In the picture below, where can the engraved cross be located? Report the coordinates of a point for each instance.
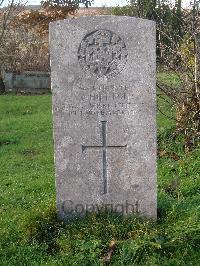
(104, 148)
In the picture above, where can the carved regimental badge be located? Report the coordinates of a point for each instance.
(102, 53)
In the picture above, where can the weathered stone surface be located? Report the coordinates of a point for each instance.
(103, 83)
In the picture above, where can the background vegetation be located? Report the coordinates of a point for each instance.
(178, 53)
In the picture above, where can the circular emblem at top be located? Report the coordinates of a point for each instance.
(102, 53)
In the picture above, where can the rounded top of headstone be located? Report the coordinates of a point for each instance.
(102, 53)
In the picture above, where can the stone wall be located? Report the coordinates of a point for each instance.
(27, 82)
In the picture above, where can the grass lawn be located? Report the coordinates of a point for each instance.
(29, 231)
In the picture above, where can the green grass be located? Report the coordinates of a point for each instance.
(29, 231)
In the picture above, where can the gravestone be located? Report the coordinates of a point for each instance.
(104, 106)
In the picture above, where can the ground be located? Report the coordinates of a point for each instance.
(29, 231)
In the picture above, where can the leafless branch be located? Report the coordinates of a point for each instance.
(6, 16)
(164, 98)
(169, 117)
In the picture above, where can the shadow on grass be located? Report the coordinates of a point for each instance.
(46, 229)
(172, 143)
(105, 236)
(7, 142)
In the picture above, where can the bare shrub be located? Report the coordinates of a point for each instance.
(24, 50)
(181, 56)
